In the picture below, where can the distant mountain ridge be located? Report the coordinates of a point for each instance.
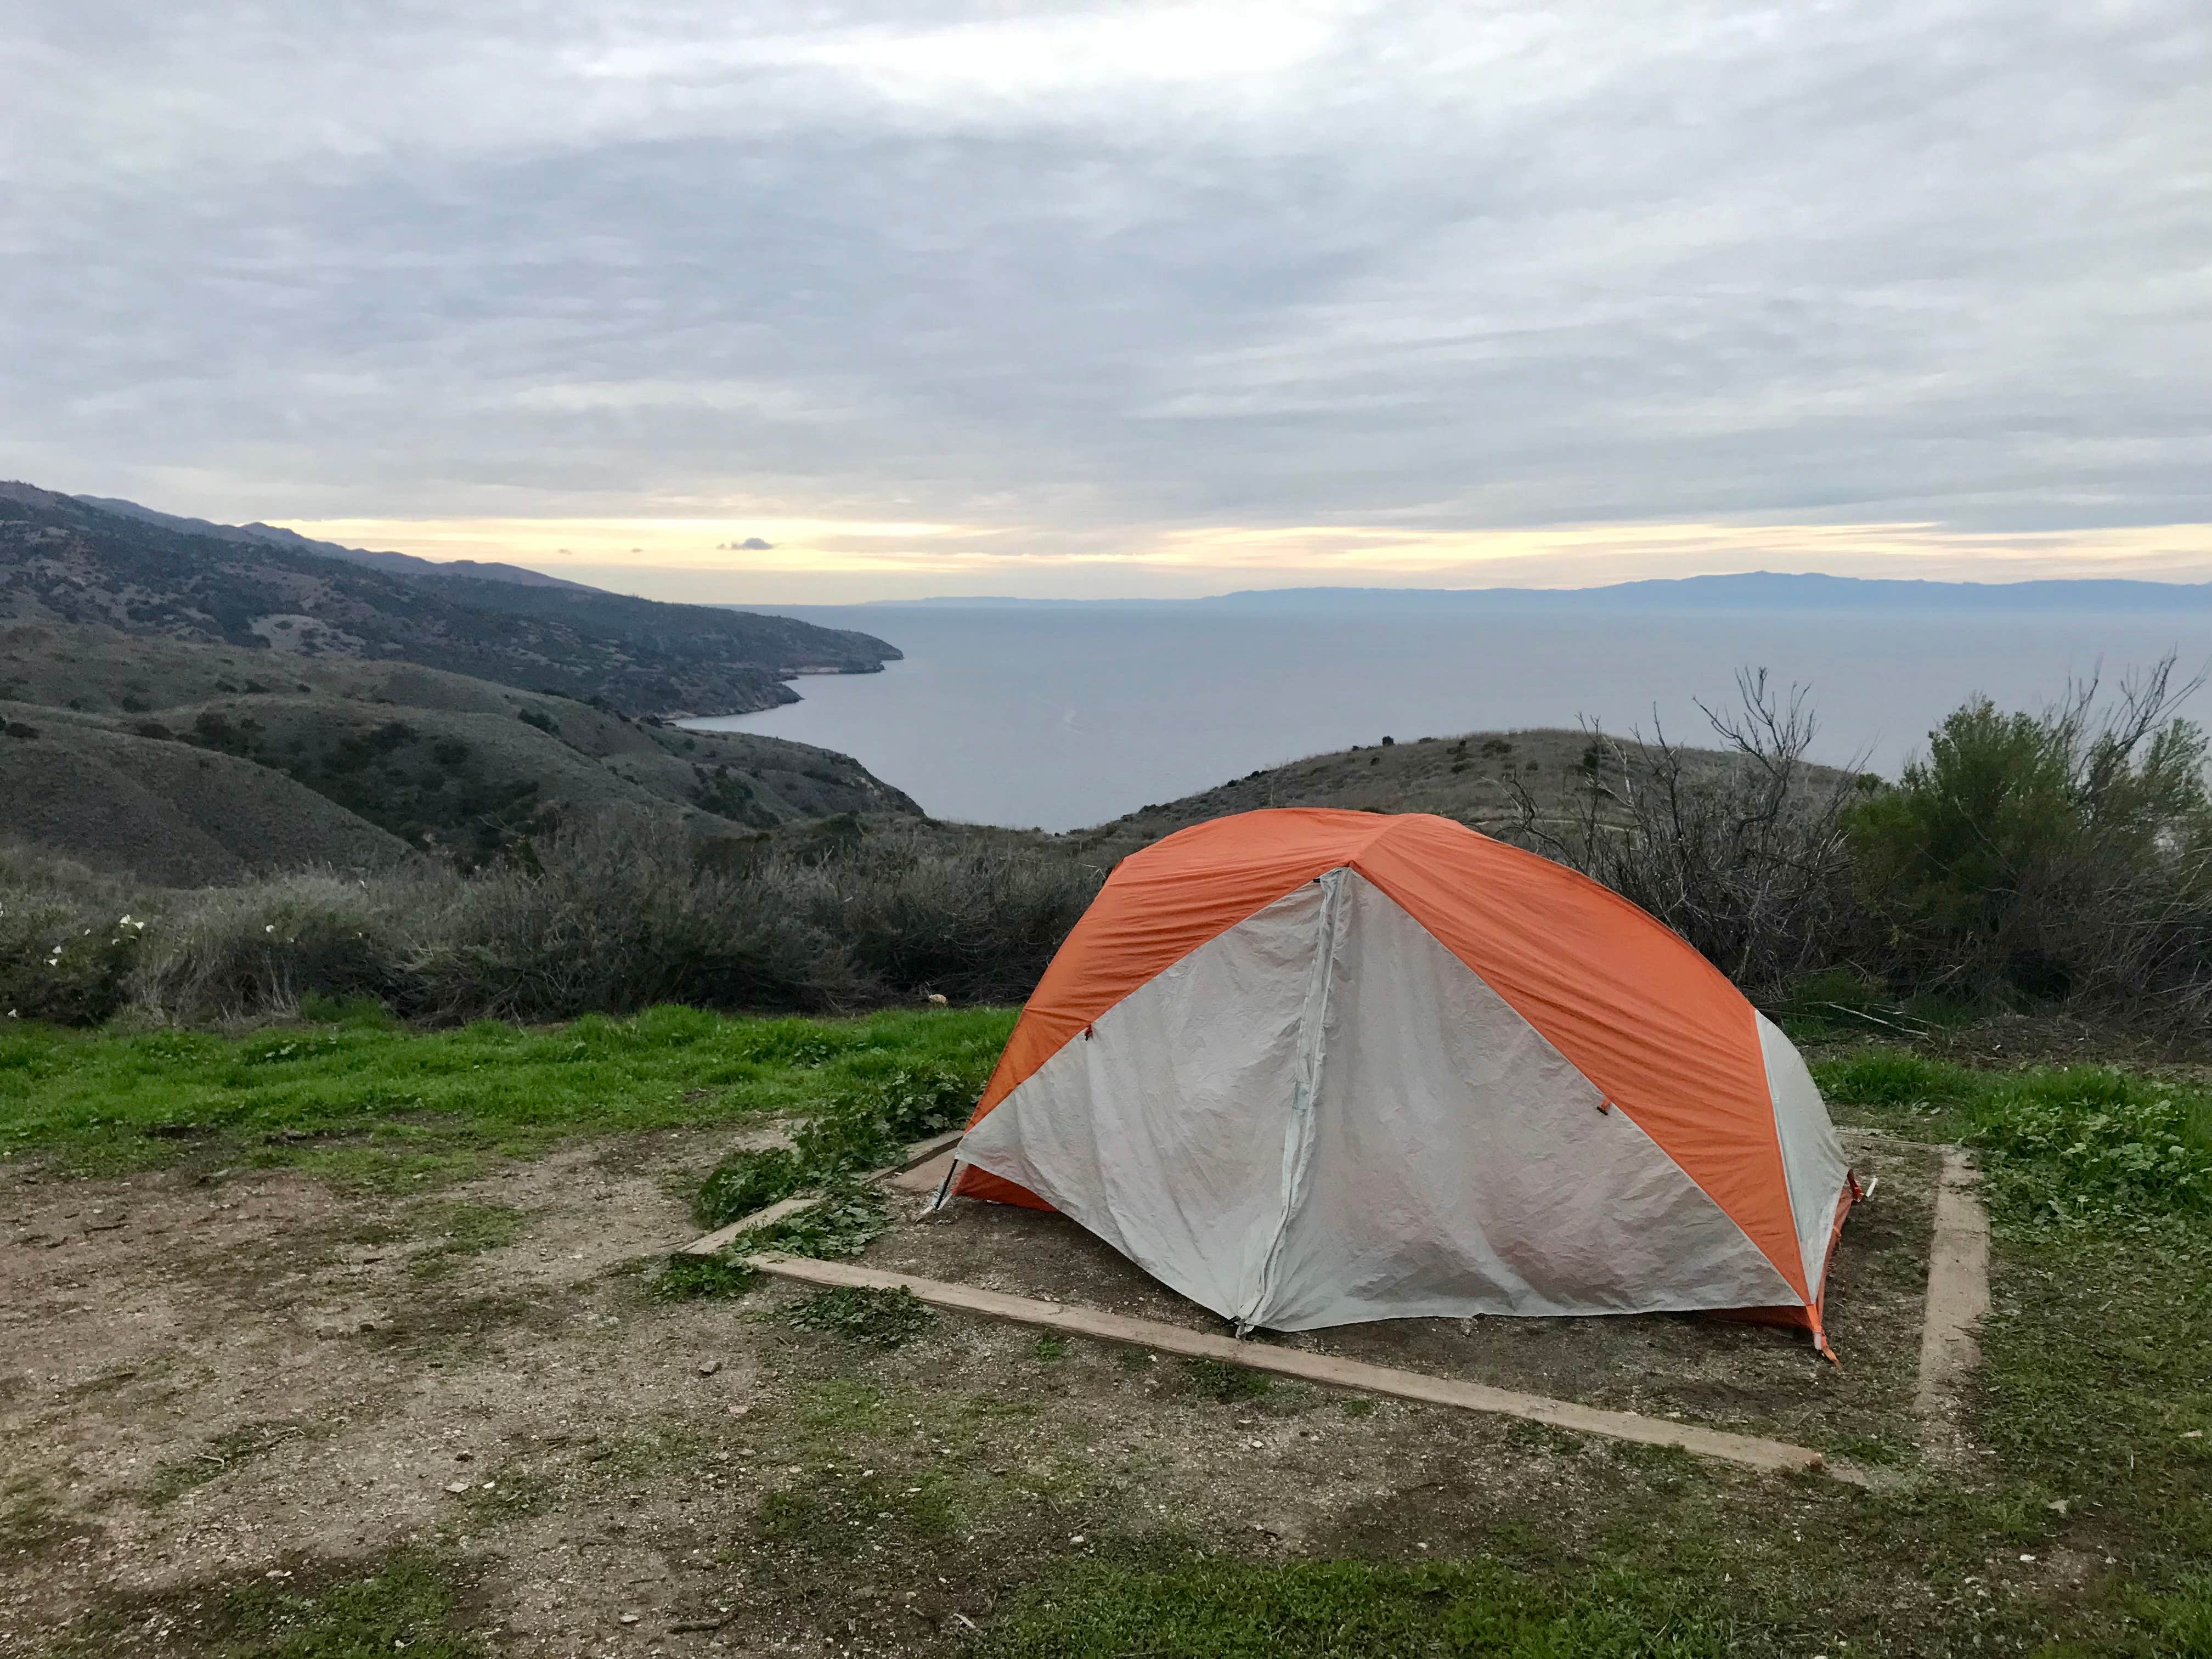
(1758, 590)
(66, 560)
(393, 564)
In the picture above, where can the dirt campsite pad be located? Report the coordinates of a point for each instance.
(242, 1407)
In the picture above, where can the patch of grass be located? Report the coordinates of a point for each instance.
(639, 1458)
(464, 1231)
(2064, 1144)
(29, 1514)
(696, 1278)
(1217, 1609)
(2097, 1365)
(365, 1103)
(838, 1513)
(226, 1451)
(1049, 1350)
(882, 1319)
(1217, 1379)
(1898, 1081)
(514, 1493)
(407, 1606)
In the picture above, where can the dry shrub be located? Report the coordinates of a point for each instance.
(613, 913)
(68, 938)
(1743, 852)
(618, 913)
(235, 953)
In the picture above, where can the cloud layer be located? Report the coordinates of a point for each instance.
(1091, 282)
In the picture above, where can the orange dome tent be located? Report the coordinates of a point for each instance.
(1312, 1067)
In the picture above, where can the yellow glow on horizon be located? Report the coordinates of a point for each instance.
(908, 558)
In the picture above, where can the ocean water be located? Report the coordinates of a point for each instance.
(1059, 718)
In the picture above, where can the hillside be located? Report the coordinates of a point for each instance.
(173, 814)
(1471, 778)
(393, 564)
(192, 763)
(63, 559)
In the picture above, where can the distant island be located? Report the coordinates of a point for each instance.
(1751, 591)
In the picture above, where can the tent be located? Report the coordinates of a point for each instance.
(1313, 1067)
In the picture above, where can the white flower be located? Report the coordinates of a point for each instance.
(271, 928)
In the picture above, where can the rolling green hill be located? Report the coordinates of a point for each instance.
(192, 763)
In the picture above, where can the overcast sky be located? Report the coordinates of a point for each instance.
(1136, 299)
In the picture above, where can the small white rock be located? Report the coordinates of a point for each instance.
(709, 1367)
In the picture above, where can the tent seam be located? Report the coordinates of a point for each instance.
(1305, 1092)
(1622, 1107)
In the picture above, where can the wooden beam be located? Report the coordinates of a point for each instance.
(715, 1243)
(1958, 1291)
(1746, 1449)
(921, 1152)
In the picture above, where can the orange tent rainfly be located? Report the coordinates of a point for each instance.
(1314, 1067)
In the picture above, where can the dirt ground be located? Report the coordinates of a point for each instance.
(211, 1379)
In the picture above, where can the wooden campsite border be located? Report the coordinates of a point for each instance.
(1751, 1452)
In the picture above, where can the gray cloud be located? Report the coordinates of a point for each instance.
(1084, 271)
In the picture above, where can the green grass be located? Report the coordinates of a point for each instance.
(407, 1606)
(461, 1230)
(363, 1101)
(1217, 1609)
(2074, 1144)
(1217, 1379)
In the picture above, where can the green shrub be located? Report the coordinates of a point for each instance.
(844, 1223)
(882, 1319)
(2065, 853)
(745, 1182)
(863, 1128)
(697, 1278)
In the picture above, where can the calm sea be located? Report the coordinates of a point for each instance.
(1062, 718)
